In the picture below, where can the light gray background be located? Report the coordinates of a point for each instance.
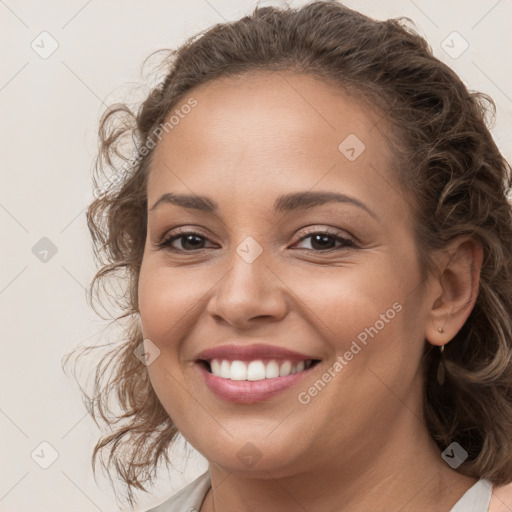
(49, 113)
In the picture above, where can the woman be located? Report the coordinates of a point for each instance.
(316, 236)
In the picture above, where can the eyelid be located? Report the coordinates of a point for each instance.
(169, 237)
(325, 231)
(173, 235)
(348, 241)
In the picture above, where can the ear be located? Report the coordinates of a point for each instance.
(453, 289)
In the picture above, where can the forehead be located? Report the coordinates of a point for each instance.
(267, 131)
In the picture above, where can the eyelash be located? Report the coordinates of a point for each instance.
(166, 241)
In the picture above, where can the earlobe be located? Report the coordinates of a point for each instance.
(456, 289)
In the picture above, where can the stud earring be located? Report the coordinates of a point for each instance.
(440, 329)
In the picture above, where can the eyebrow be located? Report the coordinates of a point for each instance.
(285, 203)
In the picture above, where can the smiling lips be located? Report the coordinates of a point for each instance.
(256, 370)
(248, 374)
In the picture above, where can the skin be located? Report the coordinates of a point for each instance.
(501, 500)
(362, 440)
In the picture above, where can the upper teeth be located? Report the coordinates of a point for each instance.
(255, 370)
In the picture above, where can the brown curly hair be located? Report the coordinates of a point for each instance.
(447, 163)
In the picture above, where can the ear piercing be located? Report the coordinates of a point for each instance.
(440, 367)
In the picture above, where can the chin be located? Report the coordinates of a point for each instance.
(254, 454)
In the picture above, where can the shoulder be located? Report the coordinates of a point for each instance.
(188, 499)
(501, 500)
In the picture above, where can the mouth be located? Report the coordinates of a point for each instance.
(246, 374)
(255, 370)
(250, 381)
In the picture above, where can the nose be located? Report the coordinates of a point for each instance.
(249, 293)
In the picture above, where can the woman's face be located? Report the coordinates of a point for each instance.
(302, 259)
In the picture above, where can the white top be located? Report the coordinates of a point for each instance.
(191, 497)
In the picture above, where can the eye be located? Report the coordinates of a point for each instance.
(190, 241)
(322, 241)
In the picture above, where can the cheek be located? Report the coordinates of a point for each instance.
(166, 299)
(343, 301)
(166, 302)
(369, 317)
